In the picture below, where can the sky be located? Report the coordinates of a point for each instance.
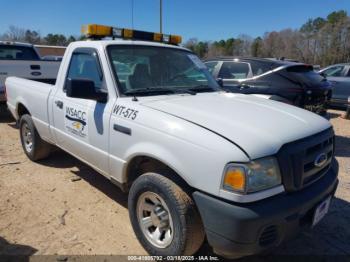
(202, 19)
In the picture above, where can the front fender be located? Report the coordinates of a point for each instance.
(199, 166)
(154, 151)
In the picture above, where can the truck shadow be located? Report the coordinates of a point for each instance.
(60, 159)
(15, 252)
(5, 115)
(329, 240)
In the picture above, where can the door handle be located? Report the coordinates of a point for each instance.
(122, 129)
(59, 104)
(35, 67)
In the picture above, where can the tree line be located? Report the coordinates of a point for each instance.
(320, 41)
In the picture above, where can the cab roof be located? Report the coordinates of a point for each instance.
(105, 43)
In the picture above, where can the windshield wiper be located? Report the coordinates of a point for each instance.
(202, 88)
(185, 91)
(149, 90)
(158, 90)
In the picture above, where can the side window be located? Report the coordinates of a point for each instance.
(334, 71)
(8, 52)
(259, 68)
(211, 66)
(234, 70)
(86, 66)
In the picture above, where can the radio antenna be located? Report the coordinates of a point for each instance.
(160, 16)
(132, 14)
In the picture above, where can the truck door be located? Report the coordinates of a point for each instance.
(81, 125)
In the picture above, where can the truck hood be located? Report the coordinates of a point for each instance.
(258, 126)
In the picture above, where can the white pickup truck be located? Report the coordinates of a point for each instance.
(242, 172)
(23, 60)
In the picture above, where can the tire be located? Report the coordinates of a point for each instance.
(186, 228)
(33, 146)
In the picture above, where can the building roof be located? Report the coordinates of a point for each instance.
(15, 43)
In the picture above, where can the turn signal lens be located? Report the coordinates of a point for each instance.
(234, 179)
(256, 175)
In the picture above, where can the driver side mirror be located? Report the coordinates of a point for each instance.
(323, 74)
(84, 89)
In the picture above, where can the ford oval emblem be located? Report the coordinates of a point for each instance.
(320, 160)
(36, 73)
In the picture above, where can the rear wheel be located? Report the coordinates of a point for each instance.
(164, 218)
(34, 147)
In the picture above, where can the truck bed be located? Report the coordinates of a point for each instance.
(24, 91)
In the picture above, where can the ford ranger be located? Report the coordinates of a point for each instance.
(242, 172)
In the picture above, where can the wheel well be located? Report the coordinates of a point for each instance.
(143, 164)
(22, 110)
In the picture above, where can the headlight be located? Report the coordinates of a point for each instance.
(255, 176)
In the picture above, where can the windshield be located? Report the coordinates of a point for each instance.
(146, 70)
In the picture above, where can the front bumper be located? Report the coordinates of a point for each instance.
(235, 229)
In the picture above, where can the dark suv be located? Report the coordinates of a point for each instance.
(285, 81)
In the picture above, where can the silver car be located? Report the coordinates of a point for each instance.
(339, 76)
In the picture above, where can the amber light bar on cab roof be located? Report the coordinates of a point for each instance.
(95, 31)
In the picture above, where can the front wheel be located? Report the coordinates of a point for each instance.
(164, 218)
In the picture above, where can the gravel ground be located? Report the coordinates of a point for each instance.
(60, 206)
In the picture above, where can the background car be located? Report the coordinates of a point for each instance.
(23, 60)
(339, 76)
(285, 81)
